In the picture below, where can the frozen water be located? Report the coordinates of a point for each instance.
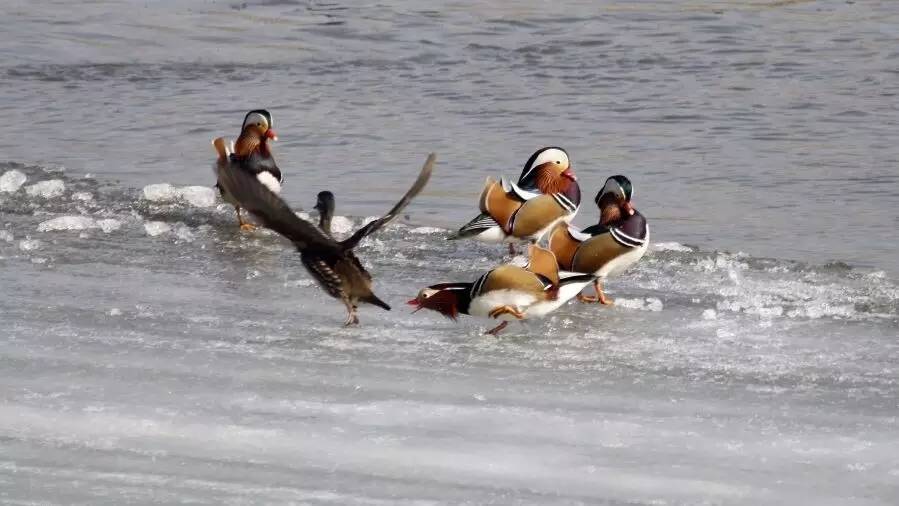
(46, 189)
(662, 397)
(12, 180)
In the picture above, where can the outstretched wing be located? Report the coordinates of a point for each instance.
(274, 212)
(373, 226)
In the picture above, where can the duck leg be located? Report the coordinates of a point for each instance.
(496, 330)
(245, 226)
(351, 318)
(496, 313)
(600, 296)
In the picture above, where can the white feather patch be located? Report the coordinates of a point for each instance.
(270, 182)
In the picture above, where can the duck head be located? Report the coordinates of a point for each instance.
(548, 170)
(448, 299)
(255, 133)
(614, 200)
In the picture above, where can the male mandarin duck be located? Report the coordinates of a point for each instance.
(508, 292)
(608, 248)
(546, 193)
(332, 264)
(253, 153)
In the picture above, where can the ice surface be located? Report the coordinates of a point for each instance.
(12, 180)
(197, 196)
(709, 380)
(47, 189)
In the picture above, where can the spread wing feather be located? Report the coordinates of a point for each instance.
(271, 210)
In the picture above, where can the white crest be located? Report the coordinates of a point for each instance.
(554, 155)
(255, 118)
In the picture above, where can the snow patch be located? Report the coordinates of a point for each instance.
(12, 180)
(154, 228)
(197, 196)
(46, 189)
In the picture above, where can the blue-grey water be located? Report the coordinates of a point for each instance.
(149, 353)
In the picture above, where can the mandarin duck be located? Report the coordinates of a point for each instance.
(508, 292)
(608, 248)
(546, 193)
(332, 264)
(253, 154)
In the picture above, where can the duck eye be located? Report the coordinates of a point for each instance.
(558, 162)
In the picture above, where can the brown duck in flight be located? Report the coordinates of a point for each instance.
(333, 264)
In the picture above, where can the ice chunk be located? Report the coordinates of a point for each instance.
(109, 225)
(670, 246)
(648, 304)
(426, 230)
(47, 189)
(12, 180)
(709, 314)
(160, 192)
(115, 312)
(83, 196)
(29, 244)
(198, 196)
(341, 225)
(154, 228)
(183, 232)
(6, 235)
(67, 223)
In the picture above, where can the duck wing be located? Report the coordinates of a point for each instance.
(271, 210)
(374, 226)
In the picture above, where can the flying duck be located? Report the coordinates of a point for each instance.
(508, 292)
(333, 264)
(252, 153)
(546, 193)
(608, 248)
